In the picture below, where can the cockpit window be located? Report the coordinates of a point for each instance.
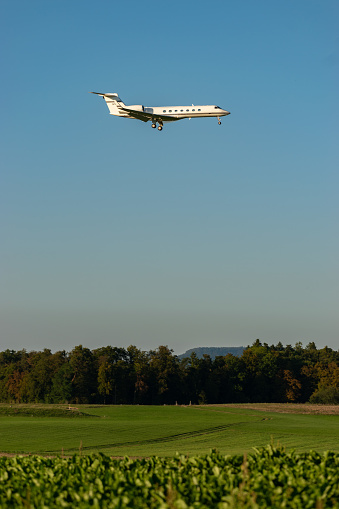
(217, 107)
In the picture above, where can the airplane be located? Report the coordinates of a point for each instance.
(159, 114)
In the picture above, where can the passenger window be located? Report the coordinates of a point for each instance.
(175, 110)
(181, 110)
(164, 111)
(170, 111)
(187, 110)
(193, 110)
(199, 110)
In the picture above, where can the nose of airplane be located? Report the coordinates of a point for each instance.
(227, 112)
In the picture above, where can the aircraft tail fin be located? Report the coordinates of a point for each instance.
(113, 101)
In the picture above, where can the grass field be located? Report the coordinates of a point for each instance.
(163, 430)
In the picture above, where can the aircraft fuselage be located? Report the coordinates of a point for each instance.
(159, 114)
(179, 112)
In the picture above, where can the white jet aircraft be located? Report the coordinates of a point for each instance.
(159, 114)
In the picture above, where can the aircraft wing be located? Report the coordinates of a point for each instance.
(145, 116)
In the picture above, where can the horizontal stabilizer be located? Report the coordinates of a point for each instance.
(109, 94)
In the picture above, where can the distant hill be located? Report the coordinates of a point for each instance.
(213, 351)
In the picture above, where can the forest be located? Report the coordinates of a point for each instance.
(113, 375)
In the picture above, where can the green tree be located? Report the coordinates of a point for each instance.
(84, 375)
(61, 390)
(190, 375)
(165, 376)
(114, 384)
(140, 374)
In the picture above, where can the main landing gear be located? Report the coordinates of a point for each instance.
(160, 126)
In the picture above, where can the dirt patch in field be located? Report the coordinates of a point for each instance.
(41, 455)
(285, 408)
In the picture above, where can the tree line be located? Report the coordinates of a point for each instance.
(113, 375)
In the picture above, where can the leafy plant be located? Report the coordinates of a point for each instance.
(326, 396)
(268, 478)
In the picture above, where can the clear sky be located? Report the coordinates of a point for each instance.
(199, 235)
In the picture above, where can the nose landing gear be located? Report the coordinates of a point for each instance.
(219, 121)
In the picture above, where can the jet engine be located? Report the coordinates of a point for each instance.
(136, 107)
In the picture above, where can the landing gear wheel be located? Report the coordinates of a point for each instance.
(160, 128)
(219, 122)
(154, 126)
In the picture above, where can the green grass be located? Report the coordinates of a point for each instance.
(155, 430)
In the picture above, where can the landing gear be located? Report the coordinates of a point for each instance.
(154, 124)
(219, 121)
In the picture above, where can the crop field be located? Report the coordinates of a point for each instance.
(269, 477)
(143, 431)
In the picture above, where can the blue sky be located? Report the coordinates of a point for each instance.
(201, 235)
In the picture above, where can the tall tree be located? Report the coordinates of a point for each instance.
(166, 376)
(84, 375)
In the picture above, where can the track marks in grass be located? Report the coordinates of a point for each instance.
(226, 411)
(168, 438)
